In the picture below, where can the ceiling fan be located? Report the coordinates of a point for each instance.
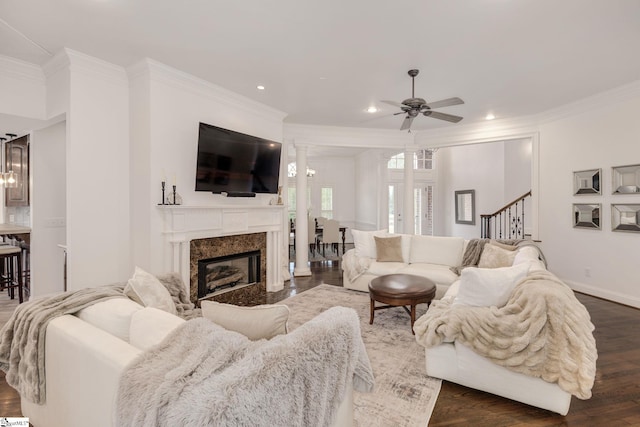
(413, 106)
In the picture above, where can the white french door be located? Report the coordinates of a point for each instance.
(422, 208)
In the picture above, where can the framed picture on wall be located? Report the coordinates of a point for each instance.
(587, 182)
(625, 217)
(626, 179)
(465, 207)
(586, 215)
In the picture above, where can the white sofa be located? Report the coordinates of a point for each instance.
(427, 256)
(432, 257)
(87, 352)
(459, 364)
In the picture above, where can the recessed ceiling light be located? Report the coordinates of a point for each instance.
(489, 116)
(260, 87)
(372, 109)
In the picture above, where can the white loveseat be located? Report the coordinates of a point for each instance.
(428, 256)
(86, 354)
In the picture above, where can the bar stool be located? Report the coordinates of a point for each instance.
(11, 258)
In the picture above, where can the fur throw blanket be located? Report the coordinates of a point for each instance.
(474, 249)
(22, 338)
(353, 265)
(204, 375)
(543, 331)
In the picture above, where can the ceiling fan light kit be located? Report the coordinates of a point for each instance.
(413, 106)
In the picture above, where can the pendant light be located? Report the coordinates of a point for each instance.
(10, 178)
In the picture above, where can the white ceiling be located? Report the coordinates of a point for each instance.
(324, 62)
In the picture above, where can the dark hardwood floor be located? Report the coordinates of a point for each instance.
(616, 393)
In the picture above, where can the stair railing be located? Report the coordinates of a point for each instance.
(507, 222)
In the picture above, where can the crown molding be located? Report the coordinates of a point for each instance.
(17, 69)
(95, 67)
(602, 99)
(335, 136)
(161, 73)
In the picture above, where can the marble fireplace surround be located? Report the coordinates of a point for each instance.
(184, 224)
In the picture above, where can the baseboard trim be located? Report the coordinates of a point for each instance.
(604, 294)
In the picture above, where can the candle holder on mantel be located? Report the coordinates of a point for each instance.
(163, 187)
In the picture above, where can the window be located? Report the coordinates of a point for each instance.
(422, 159)
(326, 202)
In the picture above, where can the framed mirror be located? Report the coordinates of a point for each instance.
(587, 182)
(625, 217)
(465, 207)
(626, 179)
(586, 215)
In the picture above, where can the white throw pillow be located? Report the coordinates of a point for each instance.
(487, 287)
(112, 315)
(150, 326)
(145, 289)
(436, 250)
(493, 256)
(364, 243)
(262, 321)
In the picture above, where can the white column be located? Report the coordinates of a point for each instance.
(302, 222)
(408, 221)
(383, 220)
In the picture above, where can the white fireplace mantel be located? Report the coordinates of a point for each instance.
(181, 224)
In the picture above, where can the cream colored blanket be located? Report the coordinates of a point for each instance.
(543, 332)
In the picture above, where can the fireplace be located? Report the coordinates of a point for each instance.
(226, 273)
(244, 252)
(193, 233)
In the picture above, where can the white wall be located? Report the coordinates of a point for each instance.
(600, 137)
(97, 173)
(48, 204)
(167, 106)
(478, 167)
(23, 89)
(370, 179)
(339, 174)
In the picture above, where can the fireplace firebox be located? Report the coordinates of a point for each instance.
(225, 273)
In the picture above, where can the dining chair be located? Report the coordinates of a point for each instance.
(330, 235)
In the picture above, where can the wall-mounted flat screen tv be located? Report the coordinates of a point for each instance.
(233, 162)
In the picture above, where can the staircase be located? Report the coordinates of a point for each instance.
(507, 222)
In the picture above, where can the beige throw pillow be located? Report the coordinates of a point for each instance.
(389, 249)
(495, 257)
(145, 289)
(262, 321)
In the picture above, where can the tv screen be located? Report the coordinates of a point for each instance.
(234, 162)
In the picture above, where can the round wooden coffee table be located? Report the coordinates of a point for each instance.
(400, 290)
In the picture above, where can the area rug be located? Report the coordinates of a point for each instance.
(404, 395)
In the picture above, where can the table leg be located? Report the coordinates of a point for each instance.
(413, 317)
(372, 311)
(343, 239)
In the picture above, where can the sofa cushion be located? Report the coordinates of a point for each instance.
(150, 325)
(436, 250)
(487, 287)
(145, 289)
(388, 249)
(382, 268)
(364, 244)
(439, 274)
(494, 256)
(262, 321)
(113, 316)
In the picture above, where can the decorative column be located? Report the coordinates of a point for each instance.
(408, 208)
(302, 222)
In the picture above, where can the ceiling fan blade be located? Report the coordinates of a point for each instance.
(407, 123)
(394, 103)
(445, 103)
(442, 116)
